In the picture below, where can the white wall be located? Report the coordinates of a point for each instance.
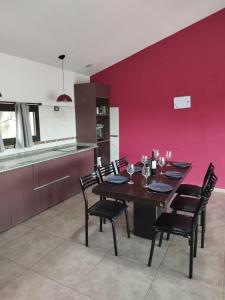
(56, 124)
(23, 80)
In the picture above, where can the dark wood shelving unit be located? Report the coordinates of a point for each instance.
(92, 111)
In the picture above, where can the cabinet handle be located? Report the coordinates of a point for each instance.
(52, 182)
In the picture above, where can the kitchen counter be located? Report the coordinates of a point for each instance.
(37, 179)
(15, 161)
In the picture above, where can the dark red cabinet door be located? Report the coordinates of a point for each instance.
(20, 193)
(51, 170)
(81, 164)
(58, 179)
(5, 215)
(53, 182)
(53, 194)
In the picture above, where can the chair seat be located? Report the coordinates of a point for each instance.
(107, 209)
(190, 189)
(174, 223)
(184, 203)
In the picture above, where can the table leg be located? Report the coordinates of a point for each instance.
(144, 219)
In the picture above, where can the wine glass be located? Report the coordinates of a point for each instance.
(146, 173)
(168, 156)
(144, 159)
(161, 163)
(130, 171)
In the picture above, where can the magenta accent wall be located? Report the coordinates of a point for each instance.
(190, 62)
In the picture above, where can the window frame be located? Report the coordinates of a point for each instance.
(32, 108)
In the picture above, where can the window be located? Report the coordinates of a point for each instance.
(8, 123)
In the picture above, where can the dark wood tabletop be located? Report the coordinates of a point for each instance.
(137, 192)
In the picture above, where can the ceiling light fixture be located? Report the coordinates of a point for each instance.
(63, 97)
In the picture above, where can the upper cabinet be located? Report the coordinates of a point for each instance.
(92, 117)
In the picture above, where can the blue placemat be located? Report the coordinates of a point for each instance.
(116, 179)
(160, 187)
(174, 174)
(182, 165)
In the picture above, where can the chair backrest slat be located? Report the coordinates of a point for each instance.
(86, 182)
(106, 170)
(121, 163)
(208, 173)
(206, 194)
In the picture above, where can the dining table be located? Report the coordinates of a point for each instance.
(147, 204)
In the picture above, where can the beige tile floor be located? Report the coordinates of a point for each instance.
(45, 258)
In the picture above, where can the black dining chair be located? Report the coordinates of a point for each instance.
(121, 163)
(104, 209)
(195, 190)
(183, 225)
(189, 203)
(105, 171)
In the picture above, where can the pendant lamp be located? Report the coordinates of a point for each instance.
(63, 97)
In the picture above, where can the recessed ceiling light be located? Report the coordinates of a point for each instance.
(88, 65)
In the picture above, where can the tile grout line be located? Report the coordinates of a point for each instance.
(11, 240)
(29, 267)
(14, 279)
(17, 276)
(10, 259)
(59, 245)
(95, 265)
(52, 279)
(157, 270)
(66, 286)
(44, 256)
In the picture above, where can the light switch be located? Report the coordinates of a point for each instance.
(182, 102)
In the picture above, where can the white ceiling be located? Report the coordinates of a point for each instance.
(98, 32)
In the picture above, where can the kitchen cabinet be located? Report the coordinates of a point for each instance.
(27, 191)
(22, 204)
(92, 117)
(81, 165)
(52, 194)
(52, 182)
(5, 214)
(16, 201)
(58, 179)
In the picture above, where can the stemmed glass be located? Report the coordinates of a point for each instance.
(130, 171)
(161, 163)
(144, 159)
(146, 173)
(168, 156)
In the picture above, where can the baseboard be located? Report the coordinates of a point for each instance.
(219, 190)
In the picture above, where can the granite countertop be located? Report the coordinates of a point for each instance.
(15, 161)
